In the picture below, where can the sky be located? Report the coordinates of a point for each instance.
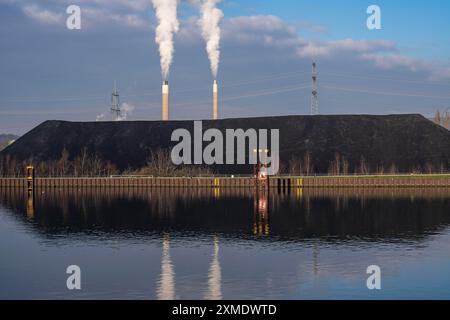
(49, 72)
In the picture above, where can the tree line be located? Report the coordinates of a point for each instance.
(83, 165)
(340, 166)
(442, 119)
(159, 164)
(91, 165)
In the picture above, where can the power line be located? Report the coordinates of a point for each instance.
(225, 99)
(250, 95)
(384, 92)
(225, 85)
(430, 82)
(274, 77)
(148, 94)
(265, 93)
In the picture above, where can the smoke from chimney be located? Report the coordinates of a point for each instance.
(209, 23)
(168, 25)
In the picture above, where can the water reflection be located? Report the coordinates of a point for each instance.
(215, 275)
(30, 205)
(369, 214)
(261, 214)
(166, 284)
(220, 243)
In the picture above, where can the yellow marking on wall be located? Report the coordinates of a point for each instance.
(30, 178)
(299, 193)
(267, 230)
(216, 193)
(30, 205)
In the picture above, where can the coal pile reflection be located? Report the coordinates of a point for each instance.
(368, 214)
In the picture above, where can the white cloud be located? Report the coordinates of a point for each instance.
(440, 73)
(270, 31)
(43, 16)
(395, 60)
(312, 27)
(259, 24)
(128, 13)
(260, 30)
(273, 31)
(135, 5)
(391, 61)
(131, 20)
(346, 45)
(246, 31)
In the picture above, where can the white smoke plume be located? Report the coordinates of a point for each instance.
(125, 111)
(168, 25)
(100, 117)
(209, 22)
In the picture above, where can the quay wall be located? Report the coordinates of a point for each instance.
(290, 182)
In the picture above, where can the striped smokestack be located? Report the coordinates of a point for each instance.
(165, 101)
(215, 103)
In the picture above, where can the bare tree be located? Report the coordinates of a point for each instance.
(393, 169)
(363, 170)
(437, 118)
(307, 163)
(63, 163)
(160, 164)
(446, 120)
(442, 169)
(337, 164)
(296, 166)
(380, 170)
(345, 167)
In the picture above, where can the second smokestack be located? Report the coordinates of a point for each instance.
(215, 103)
(165, 101)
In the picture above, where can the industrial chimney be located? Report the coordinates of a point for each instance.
(165, 101)
(215, 106)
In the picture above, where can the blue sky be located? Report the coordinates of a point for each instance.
(421, 26)
(49, 72)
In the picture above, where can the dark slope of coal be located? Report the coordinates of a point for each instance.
(408, 141)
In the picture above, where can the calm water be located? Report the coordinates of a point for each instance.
(218, 244)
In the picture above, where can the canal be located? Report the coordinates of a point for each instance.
(225, 244)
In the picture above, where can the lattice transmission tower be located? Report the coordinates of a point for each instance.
(115, 104)
(314, 92)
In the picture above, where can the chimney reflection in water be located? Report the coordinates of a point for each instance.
(166, 284)
(215, 275)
